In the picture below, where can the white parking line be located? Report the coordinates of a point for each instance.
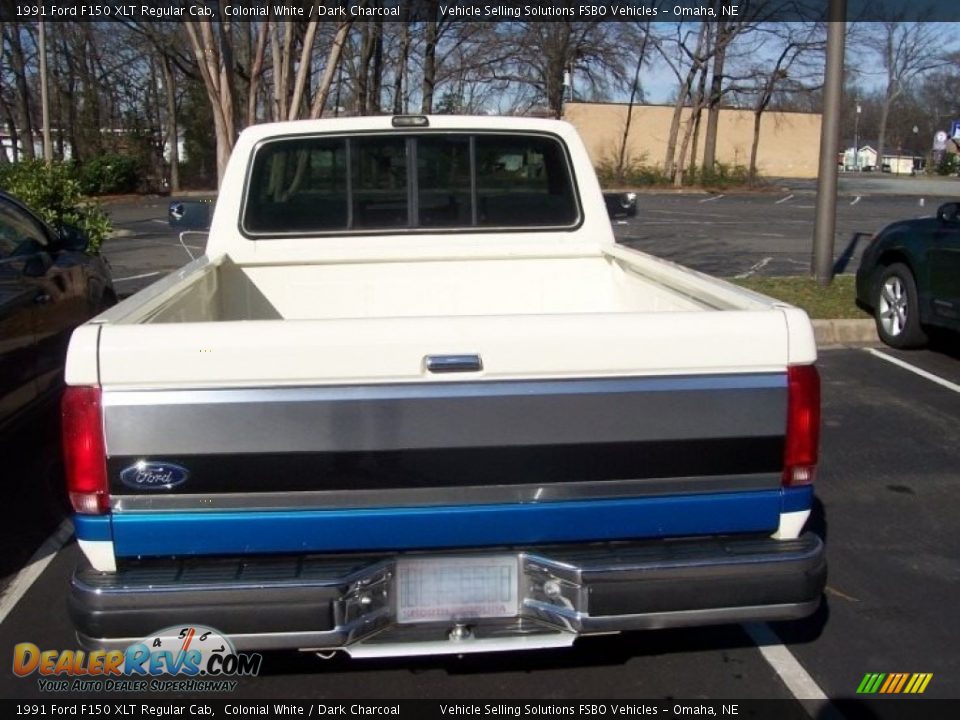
(712, 199)
(797, 680)
(783, 200)
(38, 563)
(914, 369)
(760, 265)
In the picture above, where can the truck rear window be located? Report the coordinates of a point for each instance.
(409, 182)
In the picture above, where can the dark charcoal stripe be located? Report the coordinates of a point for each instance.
(478, 415)
(445, 468)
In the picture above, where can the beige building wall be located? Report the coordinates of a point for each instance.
(789, 142)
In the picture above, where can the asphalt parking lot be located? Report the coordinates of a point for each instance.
(763, 233)
(886, 505)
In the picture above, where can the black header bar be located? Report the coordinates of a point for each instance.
(473, 10)
(102, 706)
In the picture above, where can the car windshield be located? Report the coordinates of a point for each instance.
(409, 182)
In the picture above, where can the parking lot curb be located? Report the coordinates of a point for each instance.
(833, 333)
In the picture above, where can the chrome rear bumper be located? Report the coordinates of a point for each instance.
(349, 602)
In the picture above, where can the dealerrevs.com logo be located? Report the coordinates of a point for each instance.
(203, 659)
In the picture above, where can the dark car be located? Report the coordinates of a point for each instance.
(48, 286)
(909, 278)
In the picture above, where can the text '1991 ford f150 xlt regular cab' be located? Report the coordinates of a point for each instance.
(414, 399)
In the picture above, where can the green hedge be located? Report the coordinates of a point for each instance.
(109, 174)
(53, 192)
(636, 173)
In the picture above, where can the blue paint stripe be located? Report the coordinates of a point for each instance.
(437, 527)
(797, 498)
(92, 527)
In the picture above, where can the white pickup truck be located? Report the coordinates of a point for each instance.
(415, 399)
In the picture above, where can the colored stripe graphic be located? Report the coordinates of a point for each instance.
(900, 683)
(923, 679)
(894, 683)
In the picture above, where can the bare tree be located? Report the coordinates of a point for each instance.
(905, 51)
(214, 54)
(174, 62)
(431, 35)
(636, 92)
(399, 101)
(257, 68)
(333, 60)
(696, 57)
(543, 54)
(724, 33)
(796, 68)
(16, 60)
(303, 71)
(370, 67)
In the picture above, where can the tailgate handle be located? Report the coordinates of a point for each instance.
(452, 363)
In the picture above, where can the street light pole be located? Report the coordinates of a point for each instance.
(913, 151)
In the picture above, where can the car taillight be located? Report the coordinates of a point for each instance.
(83, 450)
(803, 425)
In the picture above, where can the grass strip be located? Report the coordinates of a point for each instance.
(835, 301)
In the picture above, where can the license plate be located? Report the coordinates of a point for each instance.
(462, 588)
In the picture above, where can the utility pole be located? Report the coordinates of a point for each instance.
(826, 220)
(44, 97)
(856, 138)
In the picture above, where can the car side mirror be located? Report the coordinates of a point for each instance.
(189, 214)
(73, 239)
(948, 212)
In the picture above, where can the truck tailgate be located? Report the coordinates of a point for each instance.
(523, 451)
(306, 352)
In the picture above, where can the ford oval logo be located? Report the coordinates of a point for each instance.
(153, 475)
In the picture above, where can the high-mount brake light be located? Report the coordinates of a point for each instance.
(84, 452)
(803, 426)
(410, 121)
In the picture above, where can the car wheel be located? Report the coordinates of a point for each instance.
(897, 308)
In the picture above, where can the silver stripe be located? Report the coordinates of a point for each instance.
(443, 415)
(425, 497)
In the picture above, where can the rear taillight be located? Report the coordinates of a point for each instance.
(83, 450)
(803, 425)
